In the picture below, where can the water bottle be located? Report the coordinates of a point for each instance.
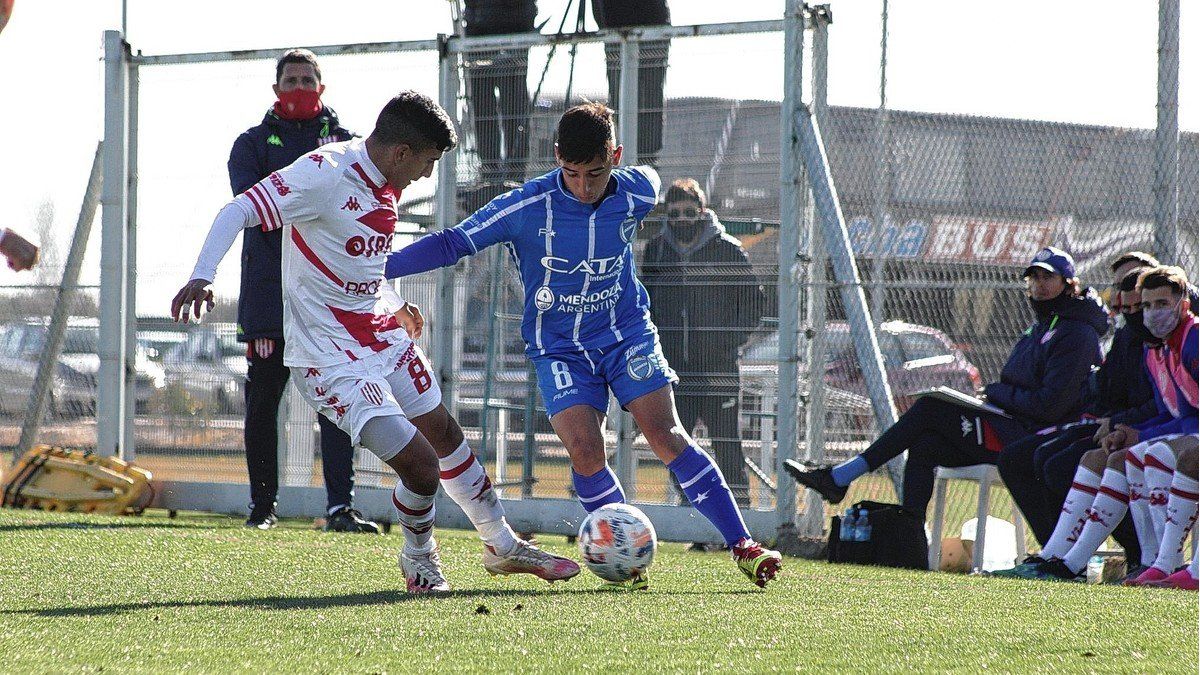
(1095, 570)
(862, 526)
(846, 533)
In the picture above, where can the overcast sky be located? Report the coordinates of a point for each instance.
(1091, 62)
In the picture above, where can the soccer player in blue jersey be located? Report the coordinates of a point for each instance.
(587, 324)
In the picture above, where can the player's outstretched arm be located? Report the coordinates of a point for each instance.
(224, 231)
(440, 249)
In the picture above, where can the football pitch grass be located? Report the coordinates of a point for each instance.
(83, 593)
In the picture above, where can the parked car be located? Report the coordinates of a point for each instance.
(915, 358)
(210, 367)
(73, 392)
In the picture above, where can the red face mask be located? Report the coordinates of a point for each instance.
(298, 104)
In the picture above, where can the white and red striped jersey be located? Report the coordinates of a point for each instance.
(338, 214)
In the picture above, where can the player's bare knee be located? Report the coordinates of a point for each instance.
(440, 429)
(417, 466)
(1094, 460)
(1186, 462)
(1183, 444)
(587, 454)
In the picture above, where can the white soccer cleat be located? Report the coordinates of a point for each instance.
(423, 572)
(525, 558)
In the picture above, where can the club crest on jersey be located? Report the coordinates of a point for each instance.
(629, 228)
(642, 367)
(543, 299)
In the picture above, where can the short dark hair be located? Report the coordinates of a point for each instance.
(297, 56)
(1164, 275)
(586, 132)
(1130, 280)
(414, 119)
(1142, 258)
(686, 189)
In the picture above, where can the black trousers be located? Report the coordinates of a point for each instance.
(720, 415)
(265, 383)
(652, 75)
(1039, 470)
(938, 433)
(500, 109)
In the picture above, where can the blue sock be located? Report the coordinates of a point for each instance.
(705, 488)
(846, 472)
(597, 489)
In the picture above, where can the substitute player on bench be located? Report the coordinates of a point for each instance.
(360, 369)
(587, 324)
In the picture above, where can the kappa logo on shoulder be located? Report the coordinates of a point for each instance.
(352, 204)
(318, 158)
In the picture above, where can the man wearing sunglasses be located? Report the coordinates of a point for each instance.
(706, 302)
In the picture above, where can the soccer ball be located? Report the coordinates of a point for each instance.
(617, 541)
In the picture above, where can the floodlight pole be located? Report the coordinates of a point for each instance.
(1166, 136)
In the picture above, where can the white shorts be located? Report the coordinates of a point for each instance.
(395, 381)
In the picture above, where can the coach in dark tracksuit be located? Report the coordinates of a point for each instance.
(706, 302)
(297, 124)
(1043, 384)
(1039, 469)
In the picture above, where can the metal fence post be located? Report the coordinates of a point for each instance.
(837, 240)
(48, 362)
(110, 394)
(1166, 135)
(446, 217)
(627, 136)
(128, 444)
(791, 265)
(812, 523)
(882, 178)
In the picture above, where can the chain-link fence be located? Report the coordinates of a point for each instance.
(943, 212)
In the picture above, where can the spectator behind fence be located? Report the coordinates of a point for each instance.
(707, 302)
(652, 67)
(1044, 383)
(21, 253)
(1039, 468)
(298, 123)
(498, 89)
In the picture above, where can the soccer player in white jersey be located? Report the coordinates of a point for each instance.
(358, 368)
(587, 324)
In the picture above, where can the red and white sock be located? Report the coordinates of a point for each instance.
(1110, 506)
(1181, 518)
(1139, 503)
(467, 483)
(1159, 469)
(416, 518)
(1074, 513)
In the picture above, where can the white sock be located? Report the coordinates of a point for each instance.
(416, 518)
(1159, 469)
(1074, 513)
(467, 483)
(1181, 517)
(1139, 503)
(1110, 506)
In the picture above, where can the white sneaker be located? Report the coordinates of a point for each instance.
(423, 571)
(525, 558)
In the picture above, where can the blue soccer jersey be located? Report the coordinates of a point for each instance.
(575, 259)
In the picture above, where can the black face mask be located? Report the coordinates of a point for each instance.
(1045, 308)
(1134, 322)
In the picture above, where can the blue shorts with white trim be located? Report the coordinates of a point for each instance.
(631, 368)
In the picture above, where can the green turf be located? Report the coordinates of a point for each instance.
(200, 593)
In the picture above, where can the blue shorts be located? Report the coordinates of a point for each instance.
(631, 368)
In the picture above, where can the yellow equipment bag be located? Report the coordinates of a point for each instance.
(58, 479)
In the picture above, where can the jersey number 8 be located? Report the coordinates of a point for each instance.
(562, 376)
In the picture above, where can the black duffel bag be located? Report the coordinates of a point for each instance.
(897, 539)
